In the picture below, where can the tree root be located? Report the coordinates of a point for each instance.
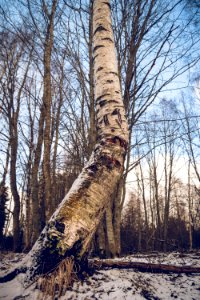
(54, 284)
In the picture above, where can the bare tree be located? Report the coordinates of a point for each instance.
(13, 53)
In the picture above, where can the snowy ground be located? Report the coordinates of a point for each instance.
(118, 284)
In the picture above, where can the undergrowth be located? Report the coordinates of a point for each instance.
(55, 284)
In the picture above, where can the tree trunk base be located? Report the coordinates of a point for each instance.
(56, 283)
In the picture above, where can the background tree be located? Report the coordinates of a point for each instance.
(3, 212)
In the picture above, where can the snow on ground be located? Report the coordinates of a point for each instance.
(118, 284)
(174, 258)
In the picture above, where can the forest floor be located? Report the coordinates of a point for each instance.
(118, 284)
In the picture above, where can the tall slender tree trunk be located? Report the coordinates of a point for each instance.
(190, 209)
(47, 98)
(72, 226)
(36, 222)
(157, 202)
(168, 190)
(117, 211)
(28, 204)
(28, 222)
(111, 248)
(108, 234)
(13, 132)
(92, 129)
(100, 239)
(55, 148)
(13, 185)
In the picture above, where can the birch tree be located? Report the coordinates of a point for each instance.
(72, 226)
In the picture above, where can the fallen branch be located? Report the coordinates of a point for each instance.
(143, 267)
(12, 274)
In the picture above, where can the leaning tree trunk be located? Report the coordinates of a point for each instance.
(71, 228)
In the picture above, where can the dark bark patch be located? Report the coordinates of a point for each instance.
(99, 69)
(112, 101)
(105, 119)
(60, 226)
(86, 183)
(119, 116)
(115, 111)
(110, 162)
(100, 28)
(74, 251)
(93, 169)
(109, 81)
(113, 73)
(97, 129)
(102, 103)
(48, 259)
(106, 161)
(97, 47)
(107, 39)
(117, 139)
(117, 164)
(102, 143)
(107, 3)
(95, 57)
(102, 96)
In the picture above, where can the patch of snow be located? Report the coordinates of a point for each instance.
(115, 284)
(174, 258)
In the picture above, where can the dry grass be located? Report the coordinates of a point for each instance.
(55, 284)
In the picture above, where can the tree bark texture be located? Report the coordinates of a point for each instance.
(72, 226)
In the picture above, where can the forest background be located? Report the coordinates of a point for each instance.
(48, 125)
